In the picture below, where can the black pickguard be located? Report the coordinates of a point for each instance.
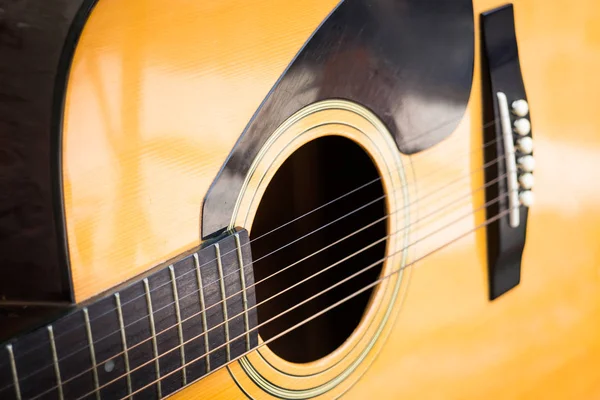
(408, 61)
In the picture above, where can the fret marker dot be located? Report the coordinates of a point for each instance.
(109, 366)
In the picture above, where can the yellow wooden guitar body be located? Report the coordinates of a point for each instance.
(156, 99)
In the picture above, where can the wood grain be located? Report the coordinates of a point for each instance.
(151, 117)
(158, 97)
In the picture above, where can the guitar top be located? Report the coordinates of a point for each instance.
(299, 199)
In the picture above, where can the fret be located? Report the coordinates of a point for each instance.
(88, 329)
(234, 292)
(216, 329)
(192, 317)
(139, 327)
(13, 369)
(108, 351)
(35, 368)
(123, 342)
(75, 361)
(169, 332)
(202, 309)
(153, 333)
(244, 289)
(179, 325)
(55, 361)
(156, 355)
(223, 301)
(250, 293)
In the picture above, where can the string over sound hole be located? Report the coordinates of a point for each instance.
(318, 172)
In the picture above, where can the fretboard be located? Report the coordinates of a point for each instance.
(149, 339)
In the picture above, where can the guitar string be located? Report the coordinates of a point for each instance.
(285, 290)
(277, 228)
(216, 304)
(195, 292)
(159, 310)
(407, 185)
(289, 266)
(24, 378)
(265, 234)
(141, 366)
(256, 283)
(417, 156)
(367, 287)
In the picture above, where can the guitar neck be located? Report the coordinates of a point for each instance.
(152, 337)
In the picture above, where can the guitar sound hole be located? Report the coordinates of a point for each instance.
(318, 172)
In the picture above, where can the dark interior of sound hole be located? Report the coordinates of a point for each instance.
(318, 172)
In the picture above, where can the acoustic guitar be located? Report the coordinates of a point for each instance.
(365, 199)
